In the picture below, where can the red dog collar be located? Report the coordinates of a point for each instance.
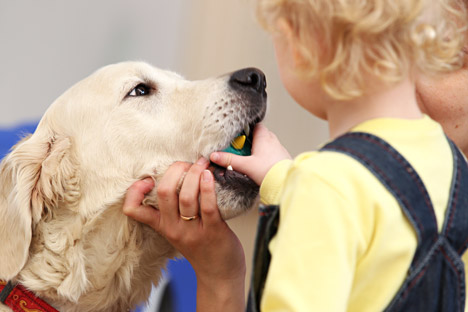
(19, 299)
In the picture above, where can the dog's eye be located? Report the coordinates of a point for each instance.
(140, 90)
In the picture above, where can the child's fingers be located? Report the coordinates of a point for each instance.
(260, 129)
(225, 159)
(244, 164)
(208, 206)
(263, 139)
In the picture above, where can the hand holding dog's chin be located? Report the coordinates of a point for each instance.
(212, 248)
(207, 242)
(267, 150)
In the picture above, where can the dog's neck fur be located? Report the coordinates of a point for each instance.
(72, 253)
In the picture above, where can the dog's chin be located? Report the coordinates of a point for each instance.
(236, 192)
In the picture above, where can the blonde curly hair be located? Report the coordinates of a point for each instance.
(363, 39)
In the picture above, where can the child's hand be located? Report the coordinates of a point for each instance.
(206, 241)
(266, 151)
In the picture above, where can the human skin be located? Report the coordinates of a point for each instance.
(220, 284)
(200, 240)
(445, 99)
(207, 242)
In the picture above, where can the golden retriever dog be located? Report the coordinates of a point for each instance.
(62, 230)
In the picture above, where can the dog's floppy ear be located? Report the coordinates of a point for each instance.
(34, 178)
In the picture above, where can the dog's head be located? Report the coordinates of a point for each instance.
(124, 122)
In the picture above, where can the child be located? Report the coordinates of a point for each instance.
(348, 238)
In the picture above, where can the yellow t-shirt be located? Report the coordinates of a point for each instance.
(344, 243)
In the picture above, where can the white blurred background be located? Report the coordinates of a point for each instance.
(48, 45)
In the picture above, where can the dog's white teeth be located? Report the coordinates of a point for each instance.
(247, 130)
(229, 168)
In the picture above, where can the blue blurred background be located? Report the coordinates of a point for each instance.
(48, 45)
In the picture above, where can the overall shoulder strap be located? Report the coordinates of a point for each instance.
(400, 179)
(267, 227)
(456, 219)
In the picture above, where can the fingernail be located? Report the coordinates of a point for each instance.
(215, 156)
(148, 180)
(207, 176)
(202, 161)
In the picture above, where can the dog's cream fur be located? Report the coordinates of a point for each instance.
(63, 233)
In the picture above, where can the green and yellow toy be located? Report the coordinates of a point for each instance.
(240, 146)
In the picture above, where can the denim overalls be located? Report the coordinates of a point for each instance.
(436, 278)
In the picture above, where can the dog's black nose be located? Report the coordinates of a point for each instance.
(248, 79)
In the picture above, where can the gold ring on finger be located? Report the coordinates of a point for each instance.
(188, 218)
